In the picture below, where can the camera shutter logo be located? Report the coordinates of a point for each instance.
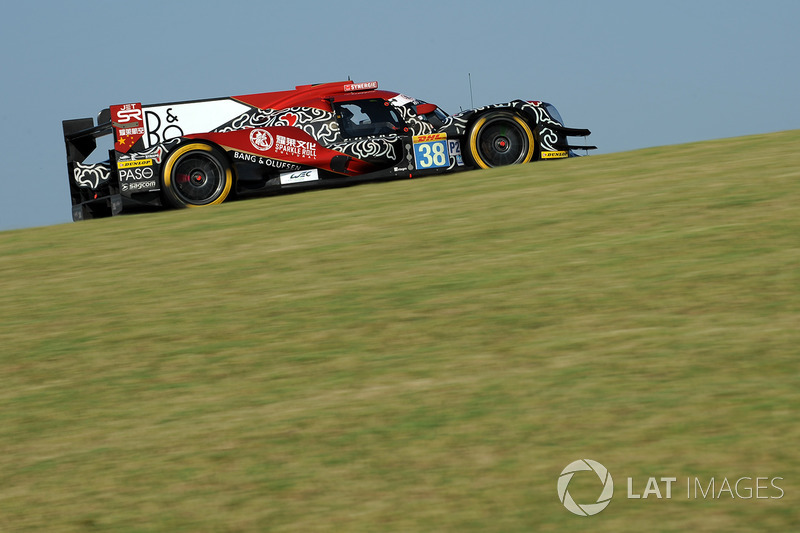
(585, 509)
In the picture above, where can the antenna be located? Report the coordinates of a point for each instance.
(471, 99)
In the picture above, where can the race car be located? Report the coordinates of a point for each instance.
(199, 153)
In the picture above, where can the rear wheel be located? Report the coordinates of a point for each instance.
(197, 174)
(500, 138)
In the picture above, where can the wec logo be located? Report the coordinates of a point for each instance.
(586, 509)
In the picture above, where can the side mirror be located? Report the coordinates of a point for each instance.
(424, 109)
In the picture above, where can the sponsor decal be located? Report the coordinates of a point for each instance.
(128, 122)
(431, 137)
(366, 86)
(293, 147)
(164, 127)
(137, 186)
(153, 154)
(135, 163)
(554, 155)
(266, 161)
(430, 151)
(454, 147)
(299, 176)
(261, 139)
(250, 158)
(166, 122)
(135, 174)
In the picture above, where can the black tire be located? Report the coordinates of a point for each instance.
(500, 138)
(196, 174)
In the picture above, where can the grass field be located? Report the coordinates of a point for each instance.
(417, 355)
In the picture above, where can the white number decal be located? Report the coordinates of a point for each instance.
(439, 155)
(425, 152)
(432, 154)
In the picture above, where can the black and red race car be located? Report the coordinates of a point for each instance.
(198, 153)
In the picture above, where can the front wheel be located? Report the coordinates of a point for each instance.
(500, 138)
(197, 174)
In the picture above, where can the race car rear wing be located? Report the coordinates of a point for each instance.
(92, 191)
(80, 135)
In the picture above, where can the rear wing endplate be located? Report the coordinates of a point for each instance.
(80, 135)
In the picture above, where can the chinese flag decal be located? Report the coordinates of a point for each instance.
(128, 122)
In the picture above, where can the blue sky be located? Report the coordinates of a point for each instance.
(638, 74)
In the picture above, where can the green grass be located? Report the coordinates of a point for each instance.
(416, 355)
